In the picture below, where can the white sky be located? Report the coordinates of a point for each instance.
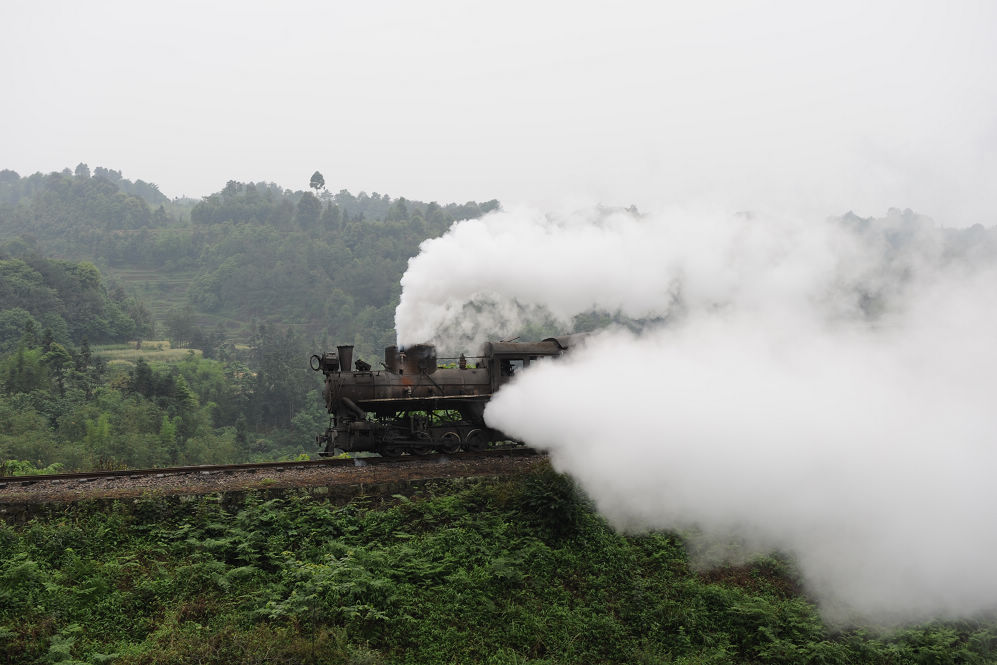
(760, 105)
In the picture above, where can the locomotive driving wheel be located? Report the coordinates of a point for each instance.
(425, 445)
(449, 443)
(476, 441)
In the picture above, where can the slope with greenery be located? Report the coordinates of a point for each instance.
(251, 253)
(518, 571)
(66, 406)
(255, 277)
(69, 300)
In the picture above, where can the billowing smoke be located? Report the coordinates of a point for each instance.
(823, 388)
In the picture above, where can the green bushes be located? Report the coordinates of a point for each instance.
(518, 571)
(553, 502)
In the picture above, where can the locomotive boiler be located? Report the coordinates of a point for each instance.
(412, 404)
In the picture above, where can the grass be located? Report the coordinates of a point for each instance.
(154, 350)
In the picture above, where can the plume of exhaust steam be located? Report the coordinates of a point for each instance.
(822, 388)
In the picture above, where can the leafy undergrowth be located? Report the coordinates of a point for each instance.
(516, 571)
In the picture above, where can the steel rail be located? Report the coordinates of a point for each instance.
(518, 451)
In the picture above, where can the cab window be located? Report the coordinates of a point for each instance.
(511, 365)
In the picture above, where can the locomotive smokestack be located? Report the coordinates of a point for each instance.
(418, 359)
(345, 357)
(391, 359)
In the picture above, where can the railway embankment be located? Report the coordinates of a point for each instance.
(23, 497)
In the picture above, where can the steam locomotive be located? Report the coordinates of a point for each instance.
(413, 404)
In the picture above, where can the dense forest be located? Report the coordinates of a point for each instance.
(67, 299)
(242, 286)
(253, 252)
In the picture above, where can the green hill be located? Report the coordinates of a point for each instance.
(501, 572)
(255, 278)
(251, 253)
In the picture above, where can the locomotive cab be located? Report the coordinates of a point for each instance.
(507, 359)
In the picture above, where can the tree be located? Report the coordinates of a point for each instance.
(58, 360)
(13, 323)
(98, 438)
(317, 182)
(24, 371)
(168, 437)
(332, 217)
(83, 359)
(398, 211)
(282, 377)
(141, 379)
(309, 210)
(180, 326)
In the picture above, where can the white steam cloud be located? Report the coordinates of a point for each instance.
(824, 388)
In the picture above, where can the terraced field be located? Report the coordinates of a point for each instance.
(158, 351)
(160, 291)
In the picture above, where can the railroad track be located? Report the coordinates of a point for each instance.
(252, 467)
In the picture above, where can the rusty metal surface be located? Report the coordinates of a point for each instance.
(523, 349)
(417, 359)
(414, 405)
(568, 341)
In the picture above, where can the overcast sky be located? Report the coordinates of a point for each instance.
(760, 105)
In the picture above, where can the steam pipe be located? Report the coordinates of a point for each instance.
(353, 408)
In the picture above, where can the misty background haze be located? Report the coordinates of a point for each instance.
(761, 106)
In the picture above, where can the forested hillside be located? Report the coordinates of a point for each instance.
(69, 300)
(245, 285)
(322, 263)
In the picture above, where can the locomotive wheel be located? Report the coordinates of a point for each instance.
(476, 441)
(449, 443)
(424, 448)
(392, 451)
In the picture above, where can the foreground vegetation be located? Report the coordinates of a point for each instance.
(518, 571)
